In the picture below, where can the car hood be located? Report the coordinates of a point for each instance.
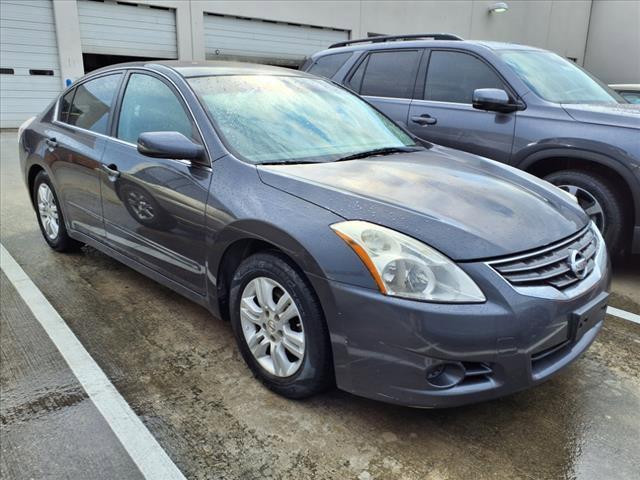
(465, 206)
(619, 115)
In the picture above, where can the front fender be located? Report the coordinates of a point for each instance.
(599, 153)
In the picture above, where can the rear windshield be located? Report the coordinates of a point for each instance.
(267, 118)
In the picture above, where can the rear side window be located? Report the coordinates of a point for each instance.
(453, 76)
(390, 74)
(328, 65)
(65, 105)
(92, 103)
(149, 105)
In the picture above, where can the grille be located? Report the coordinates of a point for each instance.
(551, 265)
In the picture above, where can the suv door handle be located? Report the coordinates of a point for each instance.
(424, 119)
(112, 170)
(51, 142)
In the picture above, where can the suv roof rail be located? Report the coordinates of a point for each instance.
(391, 38)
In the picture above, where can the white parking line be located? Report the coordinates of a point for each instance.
(141, 446)
(616, 312)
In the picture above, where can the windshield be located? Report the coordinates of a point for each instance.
(557, 80)
(267, 118)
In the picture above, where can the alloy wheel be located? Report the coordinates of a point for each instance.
(589, 204)
(48, 211)
(272, 327)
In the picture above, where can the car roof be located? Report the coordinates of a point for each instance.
(189, 69)
(491, 45)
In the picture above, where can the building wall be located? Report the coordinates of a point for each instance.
(613, 44)
(603, 35)
(612, 26)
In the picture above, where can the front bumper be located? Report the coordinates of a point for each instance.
(385, 348)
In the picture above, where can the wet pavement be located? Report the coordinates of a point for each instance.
(180, 371)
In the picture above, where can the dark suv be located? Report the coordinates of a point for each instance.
(520, 105)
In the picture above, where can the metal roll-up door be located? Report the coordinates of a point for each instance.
(110, 28)
(264, 41)
(30, 75)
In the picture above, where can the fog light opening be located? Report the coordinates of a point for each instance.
(445, 375)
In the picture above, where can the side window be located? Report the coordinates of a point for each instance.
(453, 76)
(328, 65)
(92, 103)
(390, 74)
(355, 82)
(65, 105)
(149, 105)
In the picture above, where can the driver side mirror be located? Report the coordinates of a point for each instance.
(172, 145)
(493, 100)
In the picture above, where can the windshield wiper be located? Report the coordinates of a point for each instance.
(378, 151)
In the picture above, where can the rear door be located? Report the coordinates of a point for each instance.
(75, 144)
(386, 78)
(442, 111)
(154, 208)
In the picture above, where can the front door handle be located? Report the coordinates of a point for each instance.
(51, 142)
(424, 119)
(112, 170)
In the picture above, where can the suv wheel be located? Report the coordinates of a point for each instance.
(50, 216)
(279, 326)
(599, 199)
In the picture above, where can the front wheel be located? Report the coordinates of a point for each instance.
(599, 199)
(279, 326)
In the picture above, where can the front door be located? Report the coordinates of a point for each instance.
(154, 209)
(443, 113)
(75, 144)
(386, 79)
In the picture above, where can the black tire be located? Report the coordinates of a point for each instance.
(604, 191)
(315, 373)
(156, 216)
(62, 242)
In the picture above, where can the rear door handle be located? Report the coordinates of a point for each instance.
(51, 142)
(424, 119)
(112, 170)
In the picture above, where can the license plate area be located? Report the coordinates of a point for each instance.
(586, 317)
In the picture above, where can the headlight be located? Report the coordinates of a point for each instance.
(404, 267)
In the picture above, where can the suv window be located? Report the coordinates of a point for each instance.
(92, 103)
(387, 74)
(149, 105)
(453, 76)
(328, 65)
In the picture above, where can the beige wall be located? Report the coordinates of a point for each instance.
(613, 44)
(558, 25)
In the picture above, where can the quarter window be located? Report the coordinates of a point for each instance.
(390, 74)
(453, 76)
(92, 103)
(149, 105)
(328, 65)
(65, 105)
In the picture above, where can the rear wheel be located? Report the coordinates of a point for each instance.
(50, 216)
(279, 326)
(599, 198)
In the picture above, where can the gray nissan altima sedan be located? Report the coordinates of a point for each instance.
(342, 249)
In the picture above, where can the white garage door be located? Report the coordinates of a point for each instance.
(30, 76)
(110, 28)
(265, 41)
